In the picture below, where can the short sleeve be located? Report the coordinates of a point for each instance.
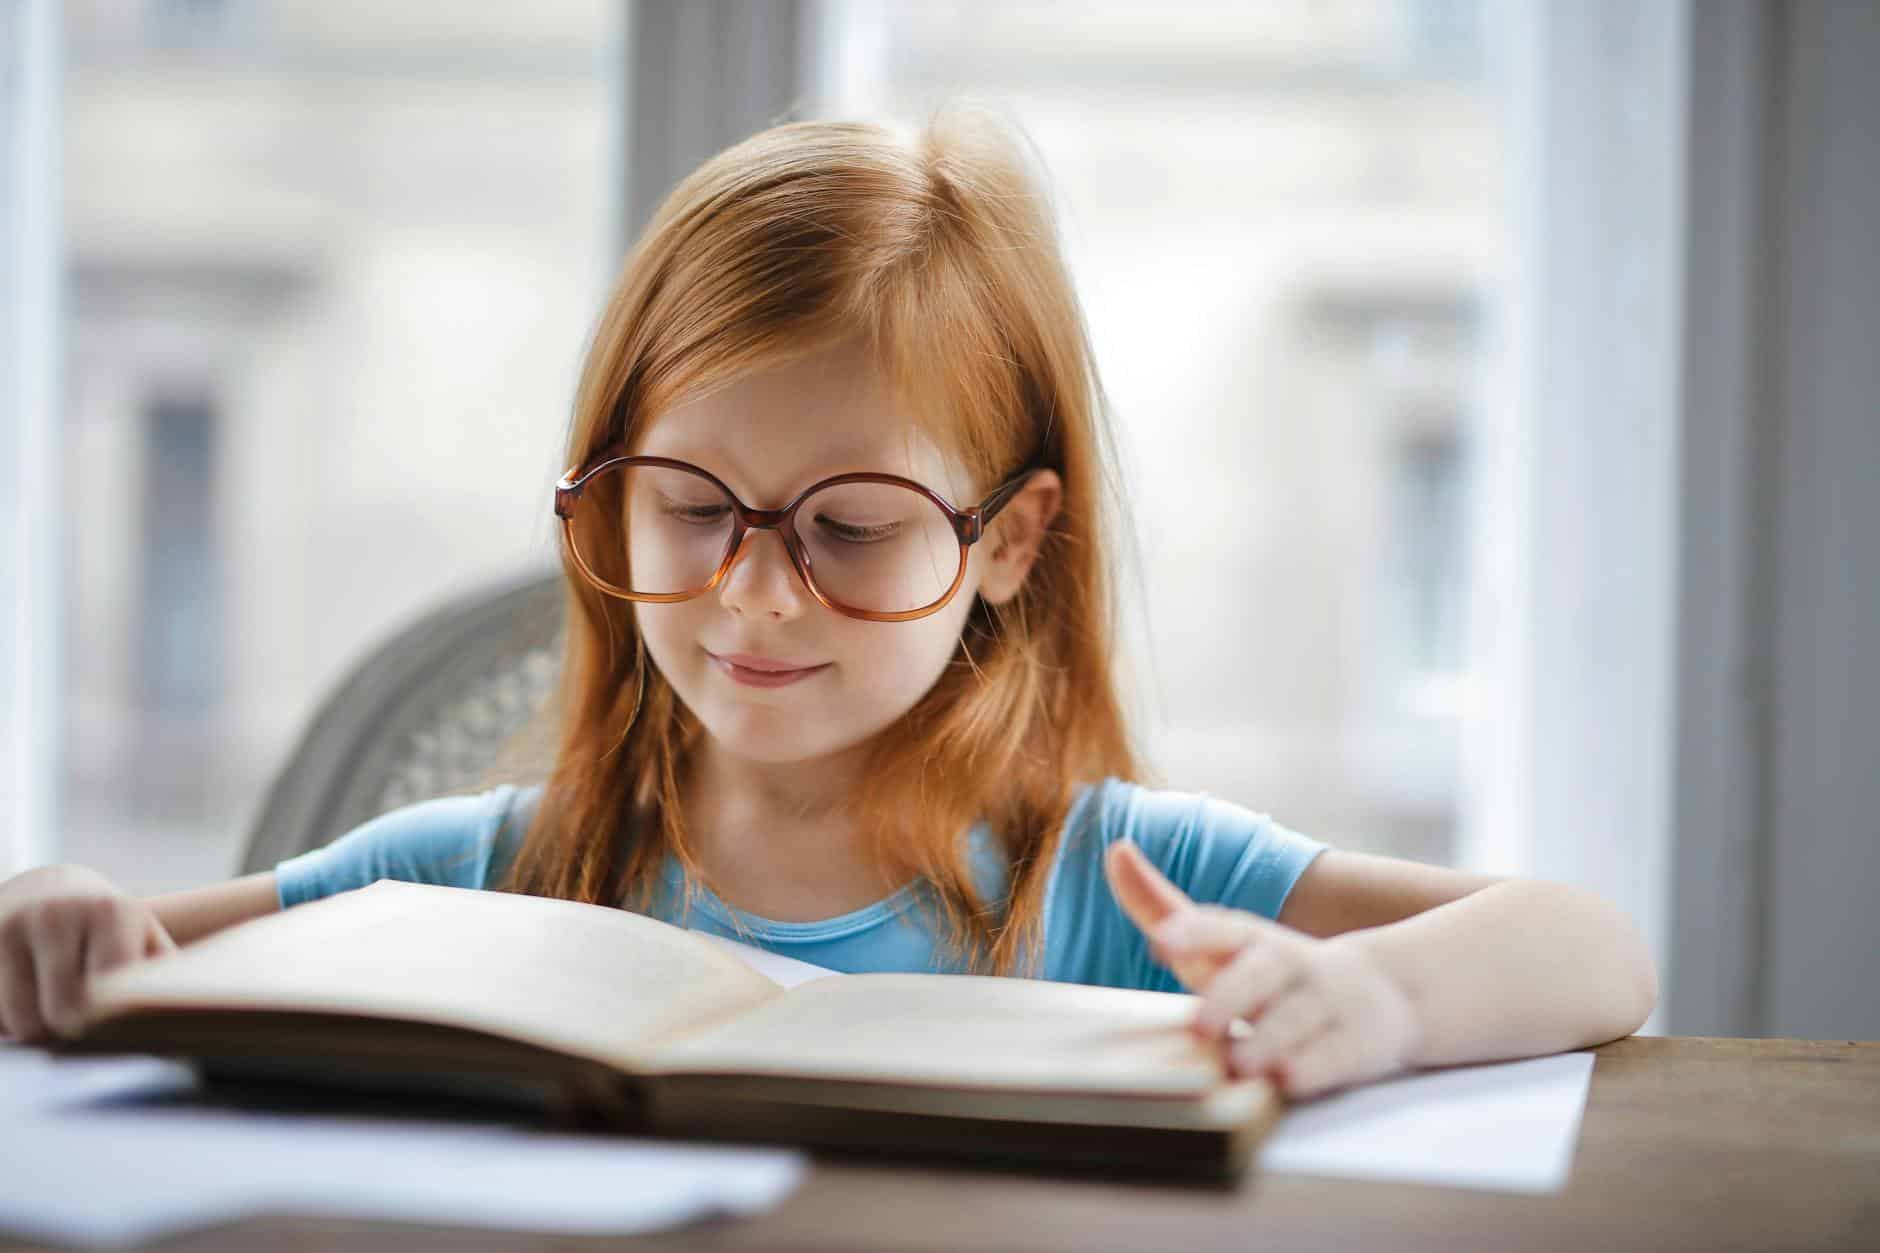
(1215, 851)
(455, 841)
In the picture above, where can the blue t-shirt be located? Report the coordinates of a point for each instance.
(1214, 851)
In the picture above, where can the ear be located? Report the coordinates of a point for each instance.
(1012, 542)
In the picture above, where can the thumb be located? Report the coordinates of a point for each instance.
(1145, 894)
(1149, 899)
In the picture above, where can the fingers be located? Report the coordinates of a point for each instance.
(1280, 1029)
(1192, 940)
(1274, 983)
(1196, 942)
(19, 988)
(1194, 970)
(1150, 901)
(1344, 1020)
(1145, 894)
(1325, 1061)
(116, 936)
(1318, 1015)
(1205, 928)
(49, 951)
(57, 967)
(1246, 987)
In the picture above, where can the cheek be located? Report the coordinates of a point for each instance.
(894, 655)
(667, 632)
(896, 662)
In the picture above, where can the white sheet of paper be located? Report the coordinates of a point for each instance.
(1505, 1126)
(80, 1162)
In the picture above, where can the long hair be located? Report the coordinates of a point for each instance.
(939, 252)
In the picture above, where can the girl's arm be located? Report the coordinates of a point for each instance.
(1380, 964)
(1519, 968)
(1342, 891)
(190, 915)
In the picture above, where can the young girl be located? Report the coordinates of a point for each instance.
(839, 667)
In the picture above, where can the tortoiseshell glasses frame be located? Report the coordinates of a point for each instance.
(969, 525)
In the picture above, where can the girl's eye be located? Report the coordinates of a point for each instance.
(856, 532)
(686, 511)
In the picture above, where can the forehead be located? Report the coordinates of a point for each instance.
(774, 431)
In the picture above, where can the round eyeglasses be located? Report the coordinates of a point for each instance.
(873, 546)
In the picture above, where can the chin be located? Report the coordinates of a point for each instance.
(769, 752)
(770, 736)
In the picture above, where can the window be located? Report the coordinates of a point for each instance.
(180, 606)
(332, 269)
(1281, 219)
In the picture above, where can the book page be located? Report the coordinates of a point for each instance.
(962, 1031)
(581, 979)
(785, 972)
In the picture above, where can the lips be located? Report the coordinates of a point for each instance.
(755, 670)
(769, 665)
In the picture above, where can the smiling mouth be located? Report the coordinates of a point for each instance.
(751, 661)
(763, 672)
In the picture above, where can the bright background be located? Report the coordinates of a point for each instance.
(1481, 468)
(320, 361)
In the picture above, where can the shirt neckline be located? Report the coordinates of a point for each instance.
(719, 910)
(757, 926)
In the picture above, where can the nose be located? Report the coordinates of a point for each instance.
(761, 580)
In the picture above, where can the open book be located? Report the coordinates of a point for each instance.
(627, 1021)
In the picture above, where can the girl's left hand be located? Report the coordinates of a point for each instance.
(1323, 1013)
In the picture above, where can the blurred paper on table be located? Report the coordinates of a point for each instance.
(1505, 1126)
(82, 1162)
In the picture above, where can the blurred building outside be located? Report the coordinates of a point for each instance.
(333, 267)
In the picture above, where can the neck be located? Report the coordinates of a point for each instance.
(781, 839)
(817, 791)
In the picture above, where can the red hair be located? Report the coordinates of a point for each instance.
(940, 254)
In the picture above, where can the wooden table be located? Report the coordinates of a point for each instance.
(1687, 1143)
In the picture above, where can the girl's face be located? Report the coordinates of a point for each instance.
(767, 437)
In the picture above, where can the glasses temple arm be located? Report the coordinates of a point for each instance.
(990, 506)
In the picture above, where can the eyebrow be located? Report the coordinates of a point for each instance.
(725, 467)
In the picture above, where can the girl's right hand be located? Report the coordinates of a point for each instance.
(59, 925)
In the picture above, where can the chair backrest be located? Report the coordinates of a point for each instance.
(425, 714)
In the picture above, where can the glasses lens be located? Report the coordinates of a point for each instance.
(652, 530)
(878, 547)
